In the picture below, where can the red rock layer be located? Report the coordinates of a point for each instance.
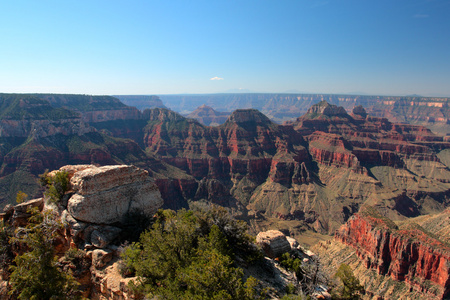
(404, 254)
(247, 145)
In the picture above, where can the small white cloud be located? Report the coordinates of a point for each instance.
(216, 78)
(421, 16)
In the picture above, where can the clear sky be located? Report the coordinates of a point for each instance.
(386, 47)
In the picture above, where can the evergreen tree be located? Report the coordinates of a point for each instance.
(186, 256)
(35, 274)
(351, 288)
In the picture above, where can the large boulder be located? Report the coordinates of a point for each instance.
(273, 243)
(105, 195)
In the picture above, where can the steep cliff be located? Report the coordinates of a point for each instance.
(236, 157)
(405, 253)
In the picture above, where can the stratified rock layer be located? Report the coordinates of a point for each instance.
(104, 195)
(405, 254)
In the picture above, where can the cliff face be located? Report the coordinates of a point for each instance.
(93, 109)
(43, 128)
(234, 157)
(406, 253)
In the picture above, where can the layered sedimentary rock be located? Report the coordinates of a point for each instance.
(292, 171)
(247, 148)
(104, 195)
(405, 253)
(93, 109)
(318, 170)
(141, 102)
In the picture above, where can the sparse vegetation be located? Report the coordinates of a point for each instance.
(350, 289)
(6, 253)
(56, 185)
(21, 197)
(309, 274)
(35, 274)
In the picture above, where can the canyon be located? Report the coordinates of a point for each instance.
(313, 173)
(316, 170)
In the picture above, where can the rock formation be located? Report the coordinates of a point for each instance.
(279, 169)
(206, 115)
(103, 195)
(429, 111)
(97, 196)
(404, 253)
(273, 242)
(317, 170)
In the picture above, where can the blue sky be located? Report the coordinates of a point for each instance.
(384, 47)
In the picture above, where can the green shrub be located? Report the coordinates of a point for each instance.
(293, 264)
(188, 255)
(56, 186)
(351, 289)
(21, 197)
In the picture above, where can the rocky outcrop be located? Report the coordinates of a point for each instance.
(109, 284)
(406, 253)
(93, 252)
(359, 111)
(22, 211)
(273, 243)
(208, 116)
(327, 109)
(104, 195)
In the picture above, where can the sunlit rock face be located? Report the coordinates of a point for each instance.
(104, 195)
(406, 253)
(273, 242)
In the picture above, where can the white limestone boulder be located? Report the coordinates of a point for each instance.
(273, 243)
(104, 195)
